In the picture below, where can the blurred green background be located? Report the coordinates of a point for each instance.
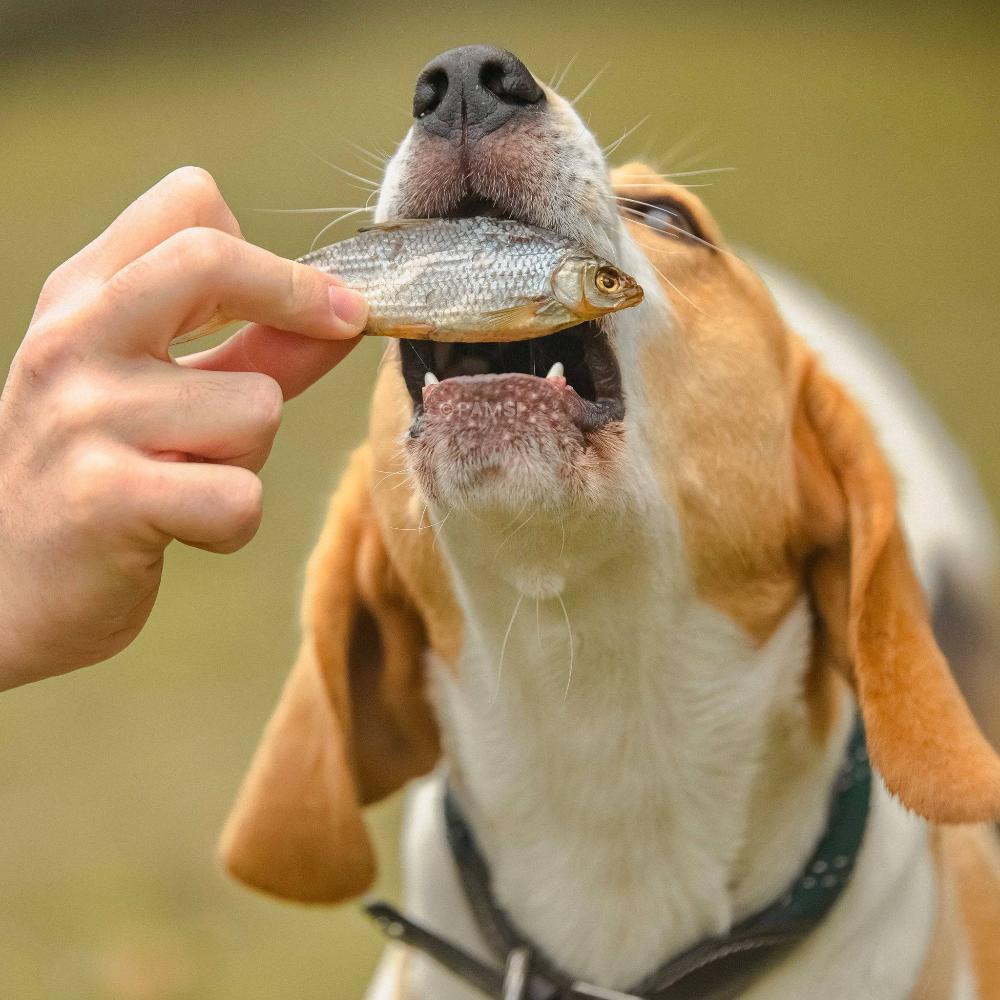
(867, 147)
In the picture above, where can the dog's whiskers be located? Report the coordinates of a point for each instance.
(313, 211)
(387, 475)
(420, 524)
(680, 173)
(507, 538)
(586, 90)
(334, 222)
(611, 147)
(503, 646)
(440, 527)
(367, 156)
(417, 353)
(562, 76)
(653, 184)
(367, 181)
(673, 285)
(686, 234)
(708, 152)
(569, 633)
(685, 142)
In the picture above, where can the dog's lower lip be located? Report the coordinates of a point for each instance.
(579, 360)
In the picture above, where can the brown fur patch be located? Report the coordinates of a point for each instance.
(972, 857)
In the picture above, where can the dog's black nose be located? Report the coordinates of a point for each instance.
(468, 93)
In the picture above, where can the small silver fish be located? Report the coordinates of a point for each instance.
(471, 279)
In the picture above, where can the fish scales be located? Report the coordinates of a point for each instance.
(446, 272)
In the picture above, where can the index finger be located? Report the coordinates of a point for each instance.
(185, 198)
(199, 274)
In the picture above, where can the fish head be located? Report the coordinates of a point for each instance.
(590, 287)
(667, 406)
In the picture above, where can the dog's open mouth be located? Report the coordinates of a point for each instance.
(579, 361)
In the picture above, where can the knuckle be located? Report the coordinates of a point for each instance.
(202, 250)
(265, 400)
(120, 287)
(44, 350)
(245, 498)
(54, 283)
(96, 479)
(206, 253)
(63, 288)
(82, 403)
(198, 188)
(195, 184)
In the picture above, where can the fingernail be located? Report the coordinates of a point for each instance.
(349, 306)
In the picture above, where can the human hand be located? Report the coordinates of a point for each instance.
(110, 449)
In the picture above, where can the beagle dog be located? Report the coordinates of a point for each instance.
(626, 618)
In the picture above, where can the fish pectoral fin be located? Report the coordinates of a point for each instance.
(513, 316)
(214, 325)
(391, 224)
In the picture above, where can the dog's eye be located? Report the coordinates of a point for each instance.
(665, 217)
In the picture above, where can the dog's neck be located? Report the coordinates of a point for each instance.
(639, 774)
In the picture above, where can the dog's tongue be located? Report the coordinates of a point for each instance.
(513, 403)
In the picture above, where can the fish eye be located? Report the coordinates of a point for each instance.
(665, 217)
(607, 280)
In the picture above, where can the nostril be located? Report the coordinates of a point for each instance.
(473, 91)
(429, 92)
(512, 83)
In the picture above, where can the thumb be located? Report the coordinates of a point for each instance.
(293, 361)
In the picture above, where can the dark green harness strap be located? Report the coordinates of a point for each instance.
(719, 968)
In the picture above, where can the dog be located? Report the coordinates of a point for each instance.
(625, 644)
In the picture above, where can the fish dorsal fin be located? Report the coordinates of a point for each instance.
(392, 224)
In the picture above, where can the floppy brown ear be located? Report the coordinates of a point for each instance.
(352, 724)
(874, 622)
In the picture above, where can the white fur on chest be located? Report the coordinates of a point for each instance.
(606, 744)
(871, 946)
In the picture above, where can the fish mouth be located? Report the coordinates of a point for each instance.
(578, 362)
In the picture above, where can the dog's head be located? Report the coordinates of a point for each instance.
(699, 403)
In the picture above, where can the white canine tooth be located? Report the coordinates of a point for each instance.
(430, 379)
(556, 371)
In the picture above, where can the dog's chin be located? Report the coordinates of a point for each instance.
(510, 442)
(526, 425)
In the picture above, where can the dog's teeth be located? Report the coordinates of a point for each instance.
(556, 371)
(430, 379)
